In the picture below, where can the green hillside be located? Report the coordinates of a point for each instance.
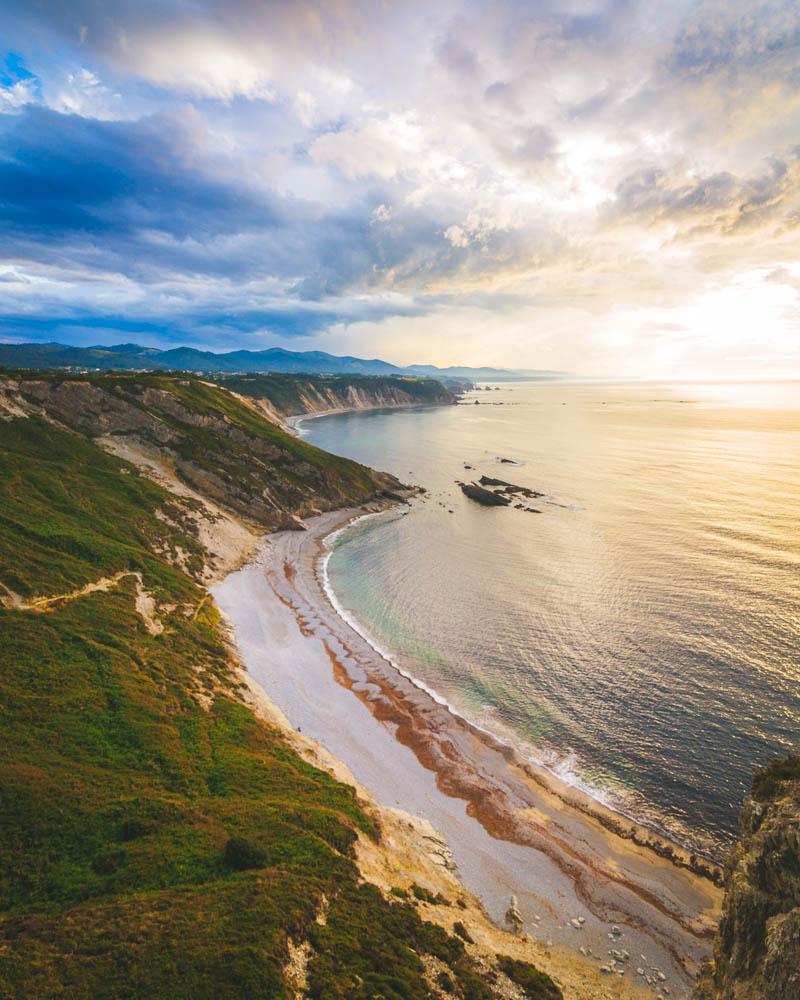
(158, 840)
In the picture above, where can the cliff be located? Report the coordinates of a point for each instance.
(296, 395)
(225, 465)
(163, 835)
(757, 953)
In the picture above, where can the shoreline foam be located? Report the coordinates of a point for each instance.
(412, 852)
(359, 627)
(512, 828)
(573, 780)
(292, 423)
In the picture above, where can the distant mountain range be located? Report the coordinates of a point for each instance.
(275, 359)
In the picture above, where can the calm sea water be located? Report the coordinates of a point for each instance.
(641, 635)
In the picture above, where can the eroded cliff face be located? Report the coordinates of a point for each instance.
(317, 399)
(757, 954)
(280, 396)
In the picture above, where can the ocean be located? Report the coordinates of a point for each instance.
(640, 634)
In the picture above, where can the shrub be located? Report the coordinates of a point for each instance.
(134, 828)
(768, 779)
(534, 984)
(426, 896)
(445, 983)
(241, 854)
(107, 862)
(463, 933)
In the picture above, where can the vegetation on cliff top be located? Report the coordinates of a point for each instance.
(768, 780)
(158, 839)
(292, 395)
(757, 950)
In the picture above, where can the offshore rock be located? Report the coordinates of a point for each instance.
(511, 488)
(483, 496)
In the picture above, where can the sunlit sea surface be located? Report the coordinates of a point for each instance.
(641, 635)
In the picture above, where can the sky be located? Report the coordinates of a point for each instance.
(607, 187)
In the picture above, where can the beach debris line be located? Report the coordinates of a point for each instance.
(653, 977)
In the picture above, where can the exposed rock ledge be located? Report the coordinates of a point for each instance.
(757, 953)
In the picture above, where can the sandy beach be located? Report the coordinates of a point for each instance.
(294, 424)
(588, 885)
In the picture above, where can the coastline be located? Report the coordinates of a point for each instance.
(412, 853)
(580, 796)
(513, 828)
(292, 423)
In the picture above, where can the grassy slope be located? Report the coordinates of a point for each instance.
(218, 444)
(287, 392)
(69, 513)
(119, 791)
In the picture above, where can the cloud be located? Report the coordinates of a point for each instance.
(383, 147)
(68, 177)
(234, 170)
(721, 202)
(18, 86)
(131, 219)
(17, 95)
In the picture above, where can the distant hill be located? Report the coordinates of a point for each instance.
(133, 357)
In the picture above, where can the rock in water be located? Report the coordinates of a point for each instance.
(485, 497)
(509, 487)
(489, 481)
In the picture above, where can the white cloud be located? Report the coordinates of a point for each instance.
(384, 147)
(456, 236)
(202, 62)
(381, 214)
(17, 95)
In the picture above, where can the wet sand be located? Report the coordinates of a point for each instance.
(511, 827)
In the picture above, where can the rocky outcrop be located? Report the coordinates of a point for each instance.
(482, 496)
(757, 953)
(510, 489)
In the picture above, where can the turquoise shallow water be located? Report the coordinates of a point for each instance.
(641, 635)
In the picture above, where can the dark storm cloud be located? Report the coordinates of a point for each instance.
(128, 196)
(62, 175)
